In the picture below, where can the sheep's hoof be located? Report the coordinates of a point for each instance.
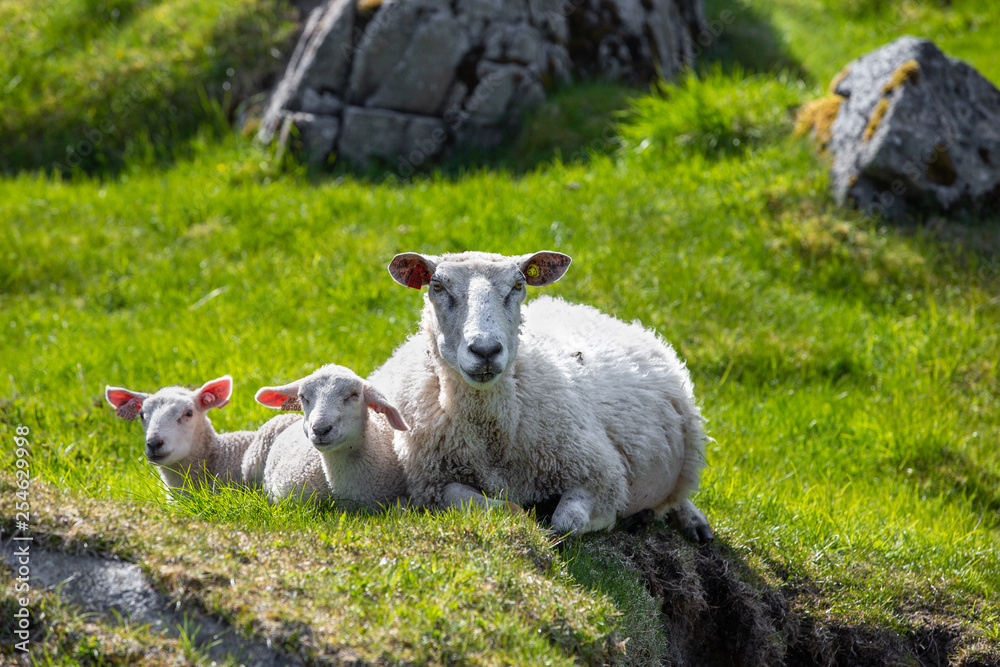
(692, 523)
(699, 534)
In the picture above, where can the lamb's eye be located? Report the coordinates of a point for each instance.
(189, 413)
(303, 400)
(437, 287)
(518, 285)
(351, 397)
(142, 415)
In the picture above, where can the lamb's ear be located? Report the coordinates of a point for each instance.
(544, 268)
(126, 403)
(377, 402)
(282, 398)
(410, 269)
(214, 393)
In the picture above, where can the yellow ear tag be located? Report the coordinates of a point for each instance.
(533, 271)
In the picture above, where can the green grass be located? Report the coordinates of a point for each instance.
(848, 367)
(816, 38)
(87, 84)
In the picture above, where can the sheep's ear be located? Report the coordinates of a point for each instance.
(214, 393)
(544, 268)
(282, 398)
(377, 402)
(412, 270)
(126, 403)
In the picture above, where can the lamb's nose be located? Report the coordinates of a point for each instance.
(322, 430)
(154, 443)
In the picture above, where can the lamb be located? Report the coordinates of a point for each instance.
(555, 400)
(180, 439)
(341, 451)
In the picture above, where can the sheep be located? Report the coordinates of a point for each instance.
(180, 439)
(341, 451)
(555, 400)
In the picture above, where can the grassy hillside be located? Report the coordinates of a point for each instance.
(87, 84)
(848, 368)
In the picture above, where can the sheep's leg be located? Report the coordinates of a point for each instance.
(691, 522)
(577, 514)
(458, 494)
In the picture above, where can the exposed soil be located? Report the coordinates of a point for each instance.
(716, 612)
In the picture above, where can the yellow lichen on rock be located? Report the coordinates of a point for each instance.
(876, 118)
(908, 71)
(817, 117)
(841, 75)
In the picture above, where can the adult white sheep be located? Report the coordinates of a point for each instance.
(338, 449)
(180, 439)
(556, 399)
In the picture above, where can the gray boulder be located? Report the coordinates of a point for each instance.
(406, 80)
(406, 140)
(310, 135)
(320, 63)
(916, 131)
(420, 79)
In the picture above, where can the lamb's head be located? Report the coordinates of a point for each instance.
(476, 303)
(335, 402)
(173, 417)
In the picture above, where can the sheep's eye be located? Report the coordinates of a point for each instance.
(189, 413)
(518, 285)
(351, 397)
(437, 287)
(142, 415)
(303, 400)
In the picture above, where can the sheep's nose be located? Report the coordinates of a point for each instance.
(153, 444)
(322, 430)
(486, 349)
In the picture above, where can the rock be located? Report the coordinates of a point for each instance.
(421, 78)
(402, 139)
(916, 131)
(373, 78)
(325, 103)
(326, 62)
(320, 62)
(311, 135)
(509, 11)
(497, 85)
(387, 37)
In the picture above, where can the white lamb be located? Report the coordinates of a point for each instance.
(338, 449)
(555, 400)
(180, 439)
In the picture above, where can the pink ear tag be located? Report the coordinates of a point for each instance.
(128, 410)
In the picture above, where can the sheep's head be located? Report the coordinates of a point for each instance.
(172, 417)
(476, 303)
(335, 402)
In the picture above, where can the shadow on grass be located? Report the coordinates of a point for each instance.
(955, 477)
(740, 35)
